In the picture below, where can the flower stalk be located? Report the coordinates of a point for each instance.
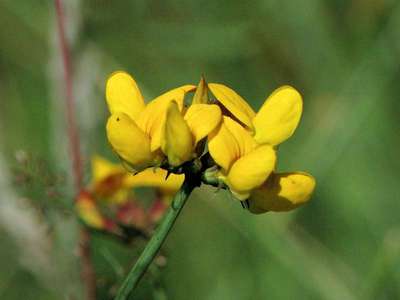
(158, 238)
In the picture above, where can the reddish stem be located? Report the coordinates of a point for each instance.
(87, 271)
(73, 135)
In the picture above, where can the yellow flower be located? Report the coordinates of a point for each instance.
(245, 149)
(113, 183)
(143, 135)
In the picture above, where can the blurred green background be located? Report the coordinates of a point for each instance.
(342, 55)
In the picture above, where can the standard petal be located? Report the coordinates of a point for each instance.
(282, 192)
(202, 119)
(234, 103)
(129, 141)
(243, 138)
(156, 178)
(223, 147)
(278, 117)
(177, 142)
(251, 170)
(153, 117)
(123, 95)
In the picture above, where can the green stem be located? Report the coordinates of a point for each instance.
(152, 247)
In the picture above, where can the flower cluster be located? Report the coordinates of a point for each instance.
(163, 130)
(170, 133)
(110, 204)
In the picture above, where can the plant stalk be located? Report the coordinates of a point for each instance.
(156, 241)
(87, 269)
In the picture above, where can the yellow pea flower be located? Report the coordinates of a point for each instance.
(282, 192)
(245, 152)
(113, 183)
(144, 134)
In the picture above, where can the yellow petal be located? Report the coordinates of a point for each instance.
(229, 142)
(243, 138)
(129, 141)
(153, 117)
(201, 94)
(156, 178)
(202, 119)
(234, 103)
(177, 142)
(123, 95)
(251, 170)
(102, 168)
(278, 117)
(282, 192)
(223, 147)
